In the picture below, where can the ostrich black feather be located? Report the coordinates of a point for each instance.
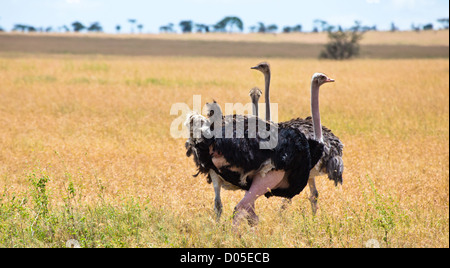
(293, 153)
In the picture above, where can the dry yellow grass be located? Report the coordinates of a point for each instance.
(102, 124)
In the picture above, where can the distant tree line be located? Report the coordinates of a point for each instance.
(228, 24)
(262, 28)
(76, 27)
(429, 26)
(94, 27)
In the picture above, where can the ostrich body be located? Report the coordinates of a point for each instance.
(240, 162)
(331, 162)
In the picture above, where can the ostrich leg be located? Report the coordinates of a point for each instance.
(217, 184)
(314, 194)
(260, 186)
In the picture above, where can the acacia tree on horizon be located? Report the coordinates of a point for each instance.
(186, 26)
(132, 22)
(95, 27)
(78, 26)
(229, 22)
(140, 27)
(167, 28)
(444, 22)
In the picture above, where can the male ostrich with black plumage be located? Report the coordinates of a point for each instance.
(291, 160)
(242, 161)
(331, 162)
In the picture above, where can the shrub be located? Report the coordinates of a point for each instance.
(342, 45)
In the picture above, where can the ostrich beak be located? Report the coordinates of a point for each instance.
(254, 68)
(329, 80)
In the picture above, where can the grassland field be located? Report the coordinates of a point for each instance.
(380, 45)
(86, 152)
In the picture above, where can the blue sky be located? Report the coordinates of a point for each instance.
(152, 14)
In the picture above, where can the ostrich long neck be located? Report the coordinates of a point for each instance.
(315, 111)
(267, 95)
(255, 105)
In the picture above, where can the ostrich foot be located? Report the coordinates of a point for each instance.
(314, 205)
(285, 203)
(245, 212)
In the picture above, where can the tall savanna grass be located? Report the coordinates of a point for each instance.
(86, 153)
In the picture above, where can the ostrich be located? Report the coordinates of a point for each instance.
(239, 161)
(202, 159)
(264, 67)
(331, 162)
(255, 94)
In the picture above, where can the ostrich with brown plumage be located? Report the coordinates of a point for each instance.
(331, 162)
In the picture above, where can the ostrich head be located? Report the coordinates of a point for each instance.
(320, 79)
(197, 143)
(213, 110)
(255, 93)
(198, 126)
(263, 67)
(214, 114)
